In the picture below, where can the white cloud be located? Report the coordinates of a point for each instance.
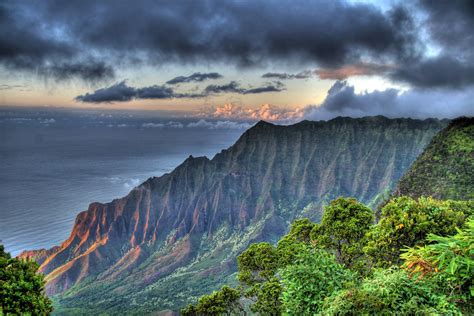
(153, 125)
(171, 124)
(343, 100)
(47, 121)
(130, 184)
(175, 124)
(220, 125)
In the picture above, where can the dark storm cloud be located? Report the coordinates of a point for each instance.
(442, 71)
(121, 92)
(88, 71)
(285, 76)
(155, 92)
(83, 39)
(450, 25)
(118, 92)
(242, 32)
(267, 88)
(195, 77)
(27, 44)
(231, 87)
(342, 100)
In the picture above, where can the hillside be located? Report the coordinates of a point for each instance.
(445, 170)
(177, 236)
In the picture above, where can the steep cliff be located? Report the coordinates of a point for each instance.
(445, 170)
(177, 235)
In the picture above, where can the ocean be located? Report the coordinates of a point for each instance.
(55, 162)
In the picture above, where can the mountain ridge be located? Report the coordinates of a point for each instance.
(445, 170)
(193, 221)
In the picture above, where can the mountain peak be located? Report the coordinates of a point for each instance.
(263, 123)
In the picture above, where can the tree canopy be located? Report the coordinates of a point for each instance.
(350, 265)
(21, 287)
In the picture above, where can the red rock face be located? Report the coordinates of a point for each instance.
(158, 226)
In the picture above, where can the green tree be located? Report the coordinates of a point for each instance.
(21, 287)
(268, 298)
(258, 263)
(390, 292)
(223, 302)
(406, 222)
(343, 228)
(295, 241)
(257, 267)
(314, 276)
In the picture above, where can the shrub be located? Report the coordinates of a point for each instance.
(223, 302)
(390, 292)
(406, 222)
(451, 257)
(313, 277)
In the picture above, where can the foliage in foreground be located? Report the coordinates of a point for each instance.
(220, 302)
(390, 291)
(328, 268)
(314, 276)
(406, 222)
(450, 257)
(21, 287)
(343, 229)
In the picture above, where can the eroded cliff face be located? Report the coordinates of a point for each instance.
(177, 235)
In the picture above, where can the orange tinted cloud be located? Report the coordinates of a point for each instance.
(265, 112)
(346, 71)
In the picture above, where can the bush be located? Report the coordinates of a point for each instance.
(390, 292)
(220, 302)
(450, 257)
(314, 276)
(406, 222)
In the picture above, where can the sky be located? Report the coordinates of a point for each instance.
(281, 60)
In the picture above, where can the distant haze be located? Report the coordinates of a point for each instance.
(53, 164)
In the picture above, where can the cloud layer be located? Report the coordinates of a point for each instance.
(121, 92)
(265, 112)
(77, 35)
(342, 100)
(195, 77)
(285, 76)
(426, 45)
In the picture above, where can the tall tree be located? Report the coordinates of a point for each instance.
(343, 228)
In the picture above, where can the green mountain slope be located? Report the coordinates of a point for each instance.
(445, 170)
(177, 236)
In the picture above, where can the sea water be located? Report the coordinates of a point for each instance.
(54, 163)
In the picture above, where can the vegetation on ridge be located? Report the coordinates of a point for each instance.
(445, 170)
(304, 274)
